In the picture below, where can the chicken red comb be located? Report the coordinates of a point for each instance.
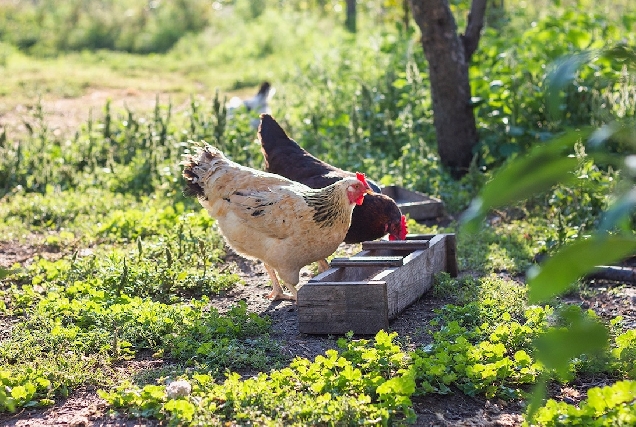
(404, 230)
(362, 179)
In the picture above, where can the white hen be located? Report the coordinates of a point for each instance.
(285, 224)
(258, 104)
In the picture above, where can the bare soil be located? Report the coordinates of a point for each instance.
(64, 115)
(85, 408)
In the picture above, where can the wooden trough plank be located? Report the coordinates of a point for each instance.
(343, 274)
(375, 261)
(420, 211)
(401, 245)
(406, 285)
(420, 236)
(354, 282)
(451, 249)
(339, 308)
(451, 255)
(418, 206)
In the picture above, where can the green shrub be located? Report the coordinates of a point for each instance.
(47, 27)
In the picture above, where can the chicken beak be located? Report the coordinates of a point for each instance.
(369, 191)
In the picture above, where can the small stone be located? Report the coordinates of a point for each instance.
(177, 389)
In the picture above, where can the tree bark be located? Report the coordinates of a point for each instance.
(470, 38)
(405, 17)
(351, 16)
(448, 55)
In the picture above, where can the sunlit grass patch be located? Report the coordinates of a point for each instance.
(508, 247)
(69, 336)
(366, 380)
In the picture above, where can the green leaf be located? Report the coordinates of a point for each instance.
(619, 211)
(183, 409)
(622, 53)
(4, 273)
(522, 358)
(404, 386)
(574, 261)
(546, 165)
(562, 74)
(19, 392)
(583, 335)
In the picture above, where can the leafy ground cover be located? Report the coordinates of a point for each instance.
(121, 304)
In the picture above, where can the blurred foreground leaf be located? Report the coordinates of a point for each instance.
(558, 346)
(619, 211)
(546, 165)
(622, 53)
(562, 74)
(574, 261)
(580, 335)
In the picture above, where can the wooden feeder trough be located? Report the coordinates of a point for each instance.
(363, 292)
(416, 205)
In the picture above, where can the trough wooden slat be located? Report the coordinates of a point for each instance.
(416, 205)
(337, 308)
(401, 245)
(411, 236)
(376, 261)
(352, 282)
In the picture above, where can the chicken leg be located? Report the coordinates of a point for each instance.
(323, 265)
(277, 293)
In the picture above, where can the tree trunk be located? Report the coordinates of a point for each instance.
(448, 55)
(405, 16)
(351, 16)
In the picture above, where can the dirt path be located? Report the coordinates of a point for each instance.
(65, 115)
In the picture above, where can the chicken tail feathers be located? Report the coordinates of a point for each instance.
(271, 133)
(192, 188)
(195, 166)
(283, 155)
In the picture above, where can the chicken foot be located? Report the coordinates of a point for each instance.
(277, 293)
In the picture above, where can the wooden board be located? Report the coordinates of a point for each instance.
(401, 245)
(339, 274)
(376, 261)
(451, 249)
(364, 292)
(416, 205)
(340, 307)
(406, 285)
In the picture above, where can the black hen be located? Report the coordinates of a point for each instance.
(377, 216)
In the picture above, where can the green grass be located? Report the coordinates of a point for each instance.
(217, 58)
